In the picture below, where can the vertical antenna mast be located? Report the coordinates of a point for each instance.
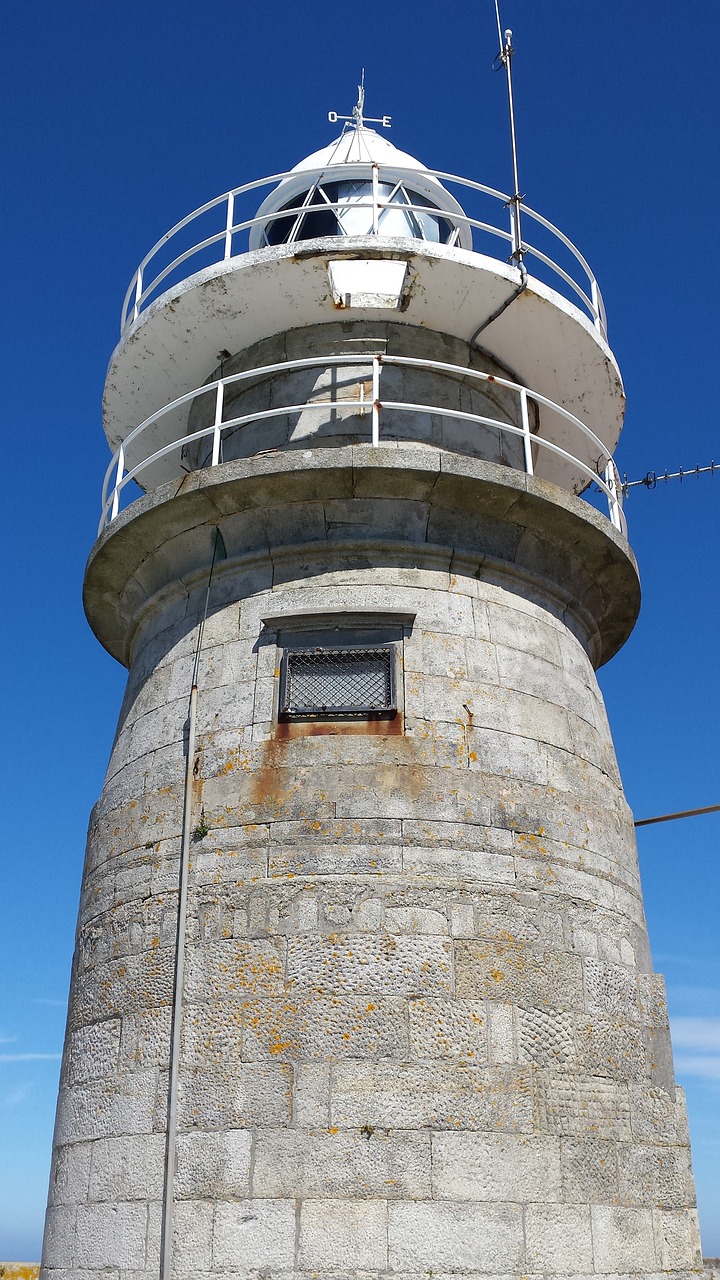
(505, 57)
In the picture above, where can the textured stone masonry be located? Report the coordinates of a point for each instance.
(420, 1031)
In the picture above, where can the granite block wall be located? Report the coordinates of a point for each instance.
(421, 1034)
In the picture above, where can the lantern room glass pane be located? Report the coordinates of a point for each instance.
(313, 216)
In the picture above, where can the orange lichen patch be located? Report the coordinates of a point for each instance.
(19, 1270)
(546, 874)
(279, 1026)
(253, 968)
(528, 838)
(233, 761)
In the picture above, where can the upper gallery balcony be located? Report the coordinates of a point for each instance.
(363, 233)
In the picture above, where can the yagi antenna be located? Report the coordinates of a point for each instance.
(652, 479)
(504, 58)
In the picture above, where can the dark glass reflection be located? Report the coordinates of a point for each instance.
(312, 216)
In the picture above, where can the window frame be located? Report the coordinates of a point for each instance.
(323, 711)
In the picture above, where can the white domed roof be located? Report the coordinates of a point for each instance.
(348, 160)
(358, 145)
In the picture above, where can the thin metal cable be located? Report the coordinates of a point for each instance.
(670, 817)
(217, 543)
(166, 1242)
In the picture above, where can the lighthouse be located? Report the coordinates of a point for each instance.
(362, 983)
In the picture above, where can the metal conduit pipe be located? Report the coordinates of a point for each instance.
(166, 1242)
(504, 305)
(174, 1064)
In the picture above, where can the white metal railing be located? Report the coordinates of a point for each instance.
(231, 236)
(119, 475)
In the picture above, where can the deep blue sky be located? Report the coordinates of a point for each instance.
(118, 120)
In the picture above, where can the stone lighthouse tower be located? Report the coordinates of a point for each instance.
(362, 985)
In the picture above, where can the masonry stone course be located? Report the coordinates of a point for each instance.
(677, 1242)
(434, 1235)
(98, 1110)
(495, 1167)
(145, 1038)
(232, 1095)
(117, 1229)
(455, 1029)
(127, 1168)
(623, 1237)
(433, 1095)
(327, 1163)
(559, 1238)
(193, 1234)
(589, 1168)
(337, 1234)
(212, 1166)
(324, 1027)
(70, 1178)
(261, 1230)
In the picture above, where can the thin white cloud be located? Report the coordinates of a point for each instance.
(29, 1057)
(696, 1044)
(706, 1065)
(696, 1033)
(8, 1039)
(57, 1004)
(16, 1096)
(703, 1002)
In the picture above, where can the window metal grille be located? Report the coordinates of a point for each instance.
(348, 682)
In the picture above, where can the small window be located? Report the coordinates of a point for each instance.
(338, 682)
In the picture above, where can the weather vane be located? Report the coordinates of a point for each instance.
(357, 118)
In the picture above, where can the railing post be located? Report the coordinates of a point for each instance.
(612, 481)
(118, 477)
(595, 298)
(376, 400)
(375, 197)
(219, 397)
(138, 293)
(229, 224)
(513, 231)
(527, 437)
